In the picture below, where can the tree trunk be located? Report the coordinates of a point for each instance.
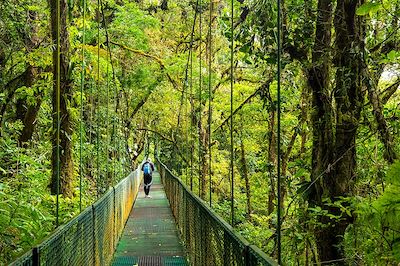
(29, 118)
(333, 157)
(11, 87)
(27, 112)
(349, 102)
(245, 175)
(384, 135)
(305, 103)
(66, 160)
(271, 161)
(321, 118)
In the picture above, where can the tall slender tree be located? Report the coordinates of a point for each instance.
(66, 159)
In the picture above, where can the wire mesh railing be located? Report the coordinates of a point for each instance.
(92, 236)
(207, 238)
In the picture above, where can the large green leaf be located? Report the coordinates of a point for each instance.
(368, 8)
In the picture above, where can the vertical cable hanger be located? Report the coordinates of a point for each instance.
(107, 95)
(81, 120)
(187, 127)
(188, 131)
(209, 98)
(107, 118)
(107, 145)
(191, 120)
(231, 120)
(109, 139)
(98, 97)
(278, 235)
(58, 99)
(190, 62)
(115, 134)
(186, 98)
(200, 90)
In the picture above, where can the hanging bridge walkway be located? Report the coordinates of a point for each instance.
(174, 227)
(150, 236)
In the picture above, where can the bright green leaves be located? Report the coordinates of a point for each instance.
(131, 26)
(368, 8)
(379, 221)
(392, 57)
(393, 174)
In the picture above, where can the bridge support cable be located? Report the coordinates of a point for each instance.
(58, 99)
(98, 104)
(110, 138)
(113, 137)
(279, 52)
(231, 118)
(210, 97)
(191, 119)
(107, 122)
(81, 99)
(200, 95)
(208, 239)
(189, 99)
(191, 94)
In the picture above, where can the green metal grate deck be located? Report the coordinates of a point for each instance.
(150, 236)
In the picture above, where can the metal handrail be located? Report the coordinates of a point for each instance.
(218, 244)
(92, 236)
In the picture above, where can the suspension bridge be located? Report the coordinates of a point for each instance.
(174, 227)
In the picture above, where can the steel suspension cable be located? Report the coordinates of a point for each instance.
(58, 99)
(81, 120)
(190, 62)
(113, 135)
(209, 99)
(114, 132)
(107, 117)
(191, 120)
(231, 122)
(98, 99)
(187, 131)
(185, 85)
(200, 92)
(278, 235)
(107, 93)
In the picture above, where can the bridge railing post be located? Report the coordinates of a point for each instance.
(115, 237)
(35, 256)
(246, 255)
(94, 234)
(227, 250)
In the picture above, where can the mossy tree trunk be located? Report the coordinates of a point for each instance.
(25, 111)
(66, 159)
(335, 121)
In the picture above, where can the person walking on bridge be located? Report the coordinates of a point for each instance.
(147, 168)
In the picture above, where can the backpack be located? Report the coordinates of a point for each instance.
(147, 169)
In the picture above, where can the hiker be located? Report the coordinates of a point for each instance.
(147, 168)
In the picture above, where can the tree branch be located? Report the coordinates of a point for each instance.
(153, 57)
(389, 91)
(243, 104)
(167, 139)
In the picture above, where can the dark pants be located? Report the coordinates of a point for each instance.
(147, 183)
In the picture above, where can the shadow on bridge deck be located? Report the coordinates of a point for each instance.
(150, 236)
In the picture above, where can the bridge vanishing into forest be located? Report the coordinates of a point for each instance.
(174, 227)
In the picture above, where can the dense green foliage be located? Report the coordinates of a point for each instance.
(150, 95)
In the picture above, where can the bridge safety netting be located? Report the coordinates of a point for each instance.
(91, 237)
(207, 238)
